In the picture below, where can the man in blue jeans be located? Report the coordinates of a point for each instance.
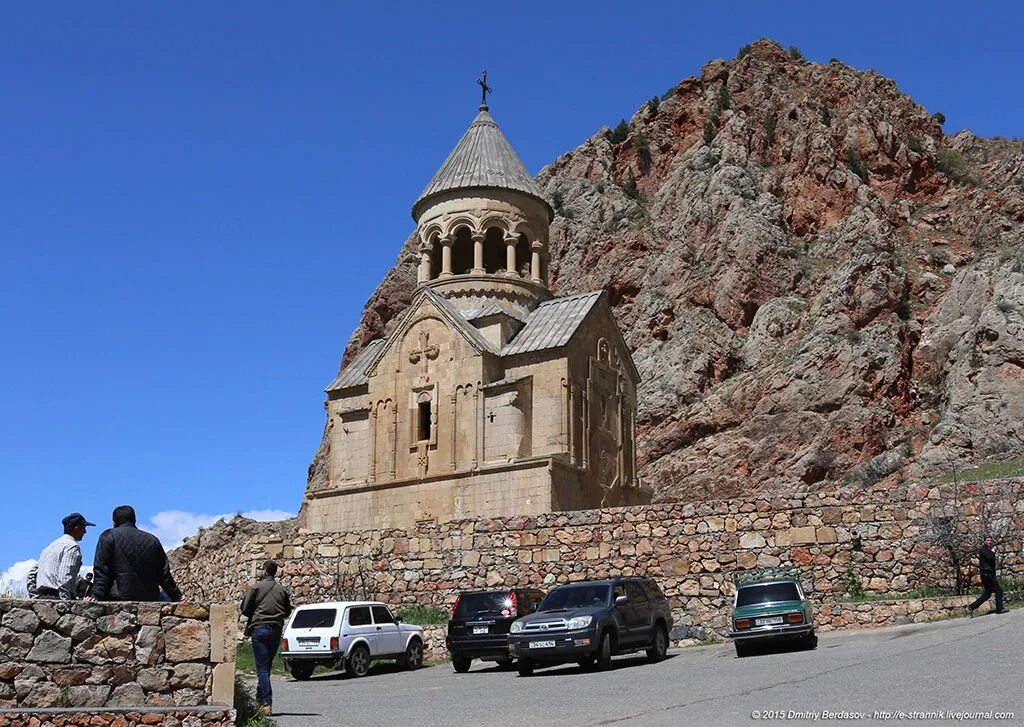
(266, 604)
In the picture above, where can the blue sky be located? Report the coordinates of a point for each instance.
(198, 198)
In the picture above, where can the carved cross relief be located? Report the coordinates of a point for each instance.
(425, 353)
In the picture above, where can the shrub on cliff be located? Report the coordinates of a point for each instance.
(952, 163)
(856, 164)
(620, 132)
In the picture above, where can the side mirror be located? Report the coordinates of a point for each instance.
(534, 607)
(621, 600)
(398, 619)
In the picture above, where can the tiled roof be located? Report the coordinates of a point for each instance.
(552, 323)
(355, 373)
(482, 158)
(492, 310)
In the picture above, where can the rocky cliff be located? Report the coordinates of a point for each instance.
(816, 282)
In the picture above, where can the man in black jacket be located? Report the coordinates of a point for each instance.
(989, 582)
(130, 564)
(266, 604)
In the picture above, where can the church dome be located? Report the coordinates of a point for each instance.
(483, 159)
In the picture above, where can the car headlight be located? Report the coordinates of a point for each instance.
(517, 627)
(580, 622)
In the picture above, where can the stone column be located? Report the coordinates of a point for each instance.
(478, 253)
(510, 256)
(423, 274)
(446, 257)
(535, 248)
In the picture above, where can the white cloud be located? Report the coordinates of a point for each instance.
(173, 526)
(12, 580)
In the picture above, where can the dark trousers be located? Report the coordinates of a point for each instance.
(989, 585)
(47, 594)
(265, 640)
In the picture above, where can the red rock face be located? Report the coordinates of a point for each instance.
(817, 286)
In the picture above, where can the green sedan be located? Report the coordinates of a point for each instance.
(771, 608)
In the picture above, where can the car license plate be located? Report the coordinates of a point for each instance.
(770, 620)
(542, 644)
(479, 629)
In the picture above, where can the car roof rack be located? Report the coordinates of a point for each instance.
(765, 574)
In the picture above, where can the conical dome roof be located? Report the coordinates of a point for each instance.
(483, 158)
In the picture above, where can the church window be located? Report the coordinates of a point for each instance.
(435, 259)
(494, 250)
(462, 252)
(424, 421)
(523, 256)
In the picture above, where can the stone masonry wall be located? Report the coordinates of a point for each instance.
(181, 717)
(873, 536)
(60, 654)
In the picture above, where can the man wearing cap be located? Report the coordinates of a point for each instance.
(55, 575)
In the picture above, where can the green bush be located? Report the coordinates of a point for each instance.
(652, 106)
(856, 164)
(826, 116)
(851, 583)
(744, 51)
(940, 117)
(795, 53)
(709, 131)
(914, 144)
(672, 91)
(620, 132)
(423, 614)
(724, 97)
(951, 163)
(641, 145)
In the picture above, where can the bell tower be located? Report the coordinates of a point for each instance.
(482, 224)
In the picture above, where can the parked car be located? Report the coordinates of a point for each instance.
(771, 607)
(349, 635)
(590, 621)
(479, 624)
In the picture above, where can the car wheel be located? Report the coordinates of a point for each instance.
(811, 641)
(525, 667)
(603, 658)
(461, 663)
(505, 662)
(302, 671)
(742, 649)
(358, 663)
(413, 656)
(586, 662)
(659, 645)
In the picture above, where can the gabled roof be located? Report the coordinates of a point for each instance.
(493, 310)
(552, 323)
(355, 373)
(483, 158)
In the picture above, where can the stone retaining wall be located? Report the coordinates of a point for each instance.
(124, 655)
(873, 535)
(174, 717)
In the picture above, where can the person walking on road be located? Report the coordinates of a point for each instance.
(266, 605)
(130, 564)
(55, 576)
(989, 582)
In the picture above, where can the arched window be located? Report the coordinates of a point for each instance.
(462, 252)
(523, 257)
(435, 259)
(494, 250)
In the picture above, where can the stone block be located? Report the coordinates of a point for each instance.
(127, 695)
(188, 641)
(149, 645)
(119, 622)
(223, 684)
(223, 632)
(22, 620)
(752, 540)
(104, 649)
(826, 535)
(77, 627)
(189, 676)
(51, 647)
(802, 536)
(155, 679)
(191, 610)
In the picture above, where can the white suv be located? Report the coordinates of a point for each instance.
(348, 634)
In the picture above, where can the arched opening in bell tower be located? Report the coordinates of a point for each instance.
(494, 250)
(523, 257)
(435, 258)
(462, 251)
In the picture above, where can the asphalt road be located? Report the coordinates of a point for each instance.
(959, 665)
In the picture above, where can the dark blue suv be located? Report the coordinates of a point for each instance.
(591, 621)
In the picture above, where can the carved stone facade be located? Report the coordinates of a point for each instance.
(490, 397)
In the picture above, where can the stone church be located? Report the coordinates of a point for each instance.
(490, 397)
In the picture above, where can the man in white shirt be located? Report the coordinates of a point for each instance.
(55, 576)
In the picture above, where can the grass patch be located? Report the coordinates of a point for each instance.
(423, 615)
(246, 711)
(990, 471)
